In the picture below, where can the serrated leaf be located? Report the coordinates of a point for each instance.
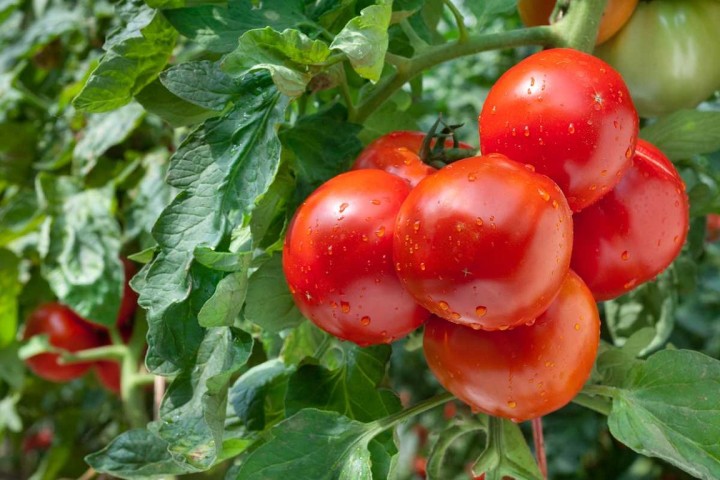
(445, 440)
(305, 340)
(9, 290)
(192, 414)
(285, 55)
(80, 248)
(269, 216)
(510, 457)
(226, 303)
(365, 40)
(222, 261)
(104, 131)
(667, 407)
(134, 56)
(269, 303)
(135, 454)
(350, 389)
(157, 99)
(248, 394)
(13, 371)
(218, 28)
(19, 215)
(221, 169)
(685, 133)
(202, 83)
(312, 444)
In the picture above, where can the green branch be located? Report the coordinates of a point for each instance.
(107, 352)
(578, 28)
(394, 419)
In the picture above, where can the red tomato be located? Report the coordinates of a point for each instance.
(713, 227)
(66, 330)
(484, 242)
(525, 372)
(337, 259)
(568, 114)
(635, 231)
(128, 304)
(108, 373)
(398, 153)
(39, 440)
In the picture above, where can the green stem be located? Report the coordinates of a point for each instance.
(106, 352)
(596, 404)
(132, 382)
(416, 42)
(459, 21)
(392, 420)
(432, 56)
(579, 27)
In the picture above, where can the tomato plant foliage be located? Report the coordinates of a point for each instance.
(186, 134)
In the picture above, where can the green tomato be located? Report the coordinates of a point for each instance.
(668, 53)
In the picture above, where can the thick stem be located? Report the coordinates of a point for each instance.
(539, 440)
(106, 352)
(579, 27)
(392, 420)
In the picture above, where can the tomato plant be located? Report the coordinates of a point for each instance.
(462, 246)
(525, 372)
(569, 115)
(65, 330)
(666, 54)
(616, 13)
(337, 259)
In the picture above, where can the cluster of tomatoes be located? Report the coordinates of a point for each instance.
(68, 331)
(502, 255)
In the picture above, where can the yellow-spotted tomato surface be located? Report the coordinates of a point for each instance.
(399, 153)
(337, 259)
(484, 242)
(525, 372)
(634, 232)
(567, 113)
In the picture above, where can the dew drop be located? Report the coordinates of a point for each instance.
(544, 195)
(514, 132)
(365, 321)
(675, 239)
(343, 206)
(629, 152)
(625, 255)
(364, 238)
(630, 284)
(375, 201)
(455, 316)
(577, 326)
(571, 129)
(345, 307)
(422, 266)
(616, 124)
(512, 404)
(480, 310)
(472, 177)
(493, 110)
(555, 204)
(443, 305)
(526, 131)
(459, 226)
(530, 167)
(479, 221)
(380, 232)
(529, 91)
(416, 226)
(532, 81)
(475, 326)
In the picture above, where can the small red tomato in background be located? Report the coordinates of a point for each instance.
(635, 231)
(108, 373)
(128, 304)
(40, 439)
(337, 259)
(569, 115)
(65, 329)
(713, 227)
(525, 372)
(484, 242)
(399, 153)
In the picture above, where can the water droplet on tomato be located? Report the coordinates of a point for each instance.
(577, 326)
(416, 226)
(544, 195)
(480, 310)
(493, 110)
(526, 131)
(571, 129)
(345, 307)
(472, 177)
(625, 255)
(630, 284)
(380, 232)
(479, 221)
(629, 152)
(512, 403)
(443, 305)
(365, 321)
(532, 81)
(513, 132)
(375, 201)
(455, 316)
(343, 206)
(422, 266)
(364, 238)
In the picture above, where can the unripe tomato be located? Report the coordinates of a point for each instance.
(668, 54)
(66, 330)
(616, 13)
(337, 259)
(398, 153)
(484, 242)
(525, 372)
(635, 231)
(568, 114)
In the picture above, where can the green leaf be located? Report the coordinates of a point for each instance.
(312, 444)
(19, 215)
(269, 303)
(667, 407)
(685, 133)
(322, 145)
(350, 389)
(221, 170)
(80, 248)
(269, 216)
(388, 118)
(10, 288)
(248, 394)
(447, 438)
(104, 131)
(134, 56)
(305, 340)
(157, 99)
(507, 454)
(218, 28)
(192, 414)
(135, 454)
(222, 261)
(226, 303)
(17, 151)
(285, 55)
(365, 40)
(490, 9)
(13, 371)
(202, 83)
(9, 417)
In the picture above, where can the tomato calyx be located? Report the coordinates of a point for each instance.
(437, 154)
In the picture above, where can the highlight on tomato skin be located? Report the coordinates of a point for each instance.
(634, 232)
(478, 233)
(568, 114)
(525, 372)
(337, 259)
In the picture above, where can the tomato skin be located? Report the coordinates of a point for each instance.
(337, 259)
(479, 232)
(569, 115)
(525, 372)
(108, 373)
(615, 15)
(65, 329)
(398, 153)
(668, 54)
(634, 232)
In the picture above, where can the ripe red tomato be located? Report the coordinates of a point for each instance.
(39, 440)
(398, 153)
(568, 114)
(525, 372)
(129, 300)
(337, 259)
(484, 242)
(635, 231)
(108, 373)
(615, 15)
(712, 228)
(66, 330)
